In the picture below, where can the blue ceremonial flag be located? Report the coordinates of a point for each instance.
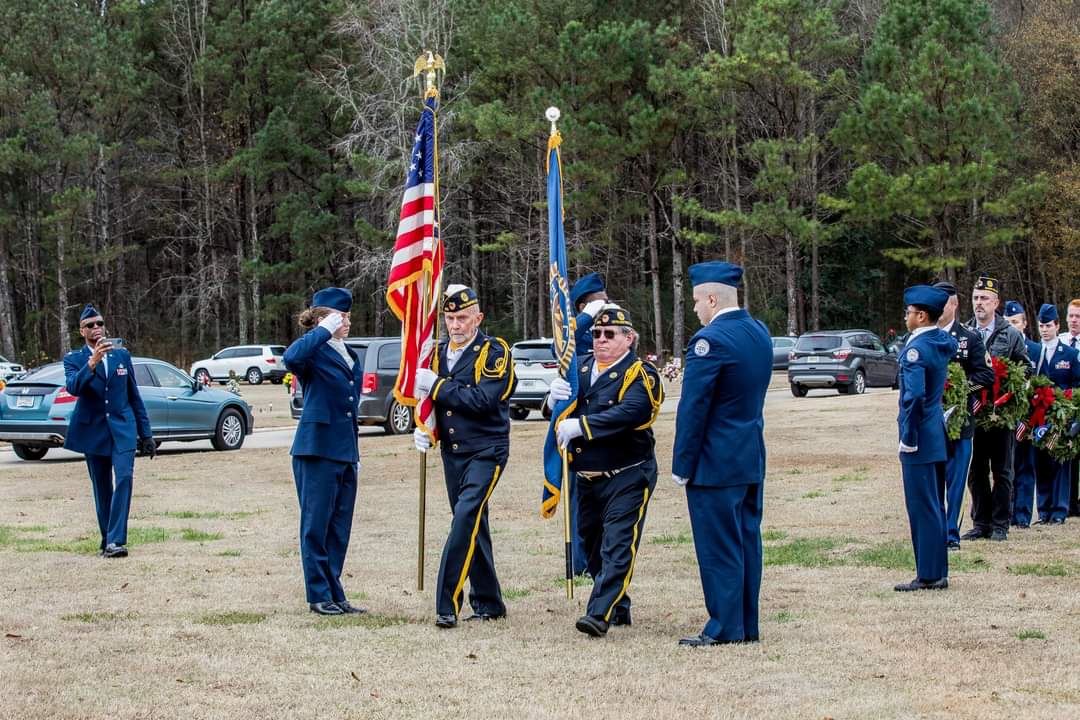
(563, 326)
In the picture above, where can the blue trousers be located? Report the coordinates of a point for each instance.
(327, 493)
(112, 501)
(726, 522)
(956, 474)
(1051, 487)
(612, 517)
(467, 554)
(924, 486)
(1023, 482)
(579, 557)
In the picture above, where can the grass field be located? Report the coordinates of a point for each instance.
(206, 618)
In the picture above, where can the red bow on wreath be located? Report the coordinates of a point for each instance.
(1040, 404)
(1001, 371)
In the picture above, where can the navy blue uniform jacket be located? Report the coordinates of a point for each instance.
(972, 356)
(616, 413)
(114, 399)
(924, 363)
(327, 427)
(472, 407)
(719, 428)
(1063, 368)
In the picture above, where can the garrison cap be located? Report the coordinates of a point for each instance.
(988, 284)
(613, 315)
(924, 296)
(716, 271)
(459, 297)
(586, 285)
(88, 312)
(334, 298)
(947, 286)
(1048, 313)
(1013, 308)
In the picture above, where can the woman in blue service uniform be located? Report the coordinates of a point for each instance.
(325, 455)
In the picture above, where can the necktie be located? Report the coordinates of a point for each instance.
(1072, 342)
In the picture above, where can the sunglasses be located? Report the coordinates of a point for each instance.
(609, 334)
(95, 323)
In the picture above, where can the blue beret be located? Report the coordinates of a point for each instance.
(716, 271)
(88, 312)
(1048, 313)
(1013, 308)
(586, 285)
(460, 299)
(334, 298)
(927, 297)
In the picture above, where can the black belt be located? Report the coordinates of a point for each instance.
(605, 474)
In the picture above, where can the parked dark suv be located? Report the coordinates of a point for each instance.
(381, 357)
(848, 360)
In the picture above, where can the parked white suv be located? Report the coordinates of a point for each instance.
(9, 370)
(253, 363)
(535, 367)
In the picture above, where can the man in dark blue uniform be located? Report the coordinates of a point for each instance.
(719, 452)
(587, 295)
(470, 385)
(108, 424)
(924, 363)
(1024, 451)
(612, 454)
(971, 355)
(1060, 363)
(326, 458)
(992, 448)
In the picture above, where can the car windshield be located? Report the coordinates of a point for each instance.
(814, 343)
(4, 359)
(51, 374)
(535, 353)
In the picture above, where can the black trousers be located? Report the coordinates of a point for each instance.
(612, 515)
(470, 480)
(991, 458)
(1074, 490)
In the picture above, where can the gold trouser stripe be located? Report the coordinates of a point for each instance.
(472, 542)
(633, 556)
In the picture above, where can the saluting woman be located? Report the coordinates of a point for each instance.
(326, 459)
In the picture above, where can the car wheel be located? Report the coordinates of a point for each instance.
(229, 433)
(858, 385)
(202, 376)
(29, 452)
(254, 376)
(798, 390)
(519, 413)
(399, 419)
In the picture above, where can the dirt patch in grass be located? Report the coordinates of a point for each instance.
(203, 628)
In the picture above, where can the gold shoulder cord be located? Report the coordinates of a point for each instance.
(655, 399)
(502, 367)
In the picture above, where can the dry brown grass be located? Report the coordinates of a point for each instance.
(218, 628)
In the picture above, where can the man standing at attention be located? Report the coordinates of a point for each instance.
(924, 363)
(992, 449)
(719, 452)
(470, 385)
(108, 421)
(1071, 337)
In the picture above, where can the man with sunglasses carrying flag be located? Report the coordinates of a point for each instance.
(108, 422)
(612, 455)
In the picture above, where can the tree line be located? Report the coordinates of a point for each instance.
(197, 168)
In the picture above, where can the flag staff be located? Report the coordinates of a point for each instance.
(552, 114)
(427, 65)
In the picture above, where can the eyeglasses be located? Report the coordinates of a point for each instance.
(95, 323)
(607, 333)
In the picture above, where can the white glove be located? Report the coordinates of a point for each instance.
(558, 390)
(567, 430)
(679, 480)
(332, 322)
(424, 380)
(421, 440)
(908, 448)
(594, 307)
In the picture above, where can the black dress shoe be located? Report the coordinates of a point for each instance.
(350, 609)
(704, 640)
(1021, 526)
(326, 608)
(918, 584)
(112, 550)
(974, 534)
(622, 619)
(999, 535)
(1059, 521)
(484, 617)
(953, 545)
(446, 621)
(593, 626)
(1041, 521)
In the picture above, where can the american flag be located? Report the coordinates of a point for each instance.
(416, 269)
